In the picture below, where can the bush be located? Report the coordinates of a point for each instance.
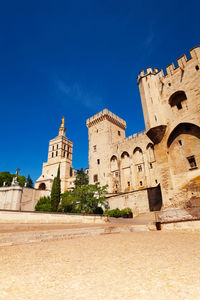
(117, 213)
(44, 204)
(127, 213)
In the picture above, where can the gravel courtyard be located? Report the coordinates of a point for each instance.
(139, 265)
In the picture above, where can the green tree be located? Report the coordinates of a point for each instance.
(29, 182)
(88, 198)
(55, 192)
(44, 204)
(21, 179)
(5, 177)
(81, 178)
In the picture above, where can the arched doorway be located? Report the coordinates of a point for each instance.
(42, 186)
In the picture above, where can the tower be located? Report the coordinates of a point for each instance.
(104, 130)
(60, 153)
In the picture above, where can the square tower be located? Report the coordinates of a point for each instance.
(60, 153)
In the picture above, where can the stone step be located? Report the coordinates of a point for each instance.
(23, 237)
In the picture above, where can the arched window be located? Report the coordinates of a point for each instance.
(113, 162)
(42, 186)
(125, 154)
(177, 98)
(113, 158)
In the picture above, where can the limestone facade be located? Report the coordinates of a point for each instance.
(59, 154)
(167, 153)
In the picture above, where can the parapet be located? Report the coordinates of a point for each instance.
(106, 114)
(171, 69)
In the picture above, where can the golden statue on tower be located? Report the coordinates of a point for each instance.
(63, 122)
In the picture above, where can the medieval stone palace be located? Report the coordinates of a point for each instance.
(159, 167)
(162, 163)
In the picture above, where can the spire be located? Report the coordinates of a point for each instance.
(62, 128)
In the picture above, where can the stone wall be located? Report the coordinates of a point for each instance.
(50, 218)
(137, 201)
(18, 198)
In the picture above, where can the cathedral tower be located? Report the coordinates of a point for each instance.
(60, 153)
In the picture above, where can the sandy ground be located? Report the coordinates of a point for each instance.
(140, 265)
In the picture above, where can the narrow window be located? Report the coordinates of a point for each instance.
(95, 148)
(116, 185)
(67, 154)
(150, 166)
(116, 174)
(95, 178)
(169, 84)
(197, 68)
(52, 147)
(180, 142)
(192, 162)
(98, 161)
(128, 183)
(70, 172)
(156, 181)
(52, 154)
(64, 154)
(56, 153)
(64, 147)
(57, 146)
(140, 183)
(155, 118)
(119, 133)
(139, 168)
(179, 106)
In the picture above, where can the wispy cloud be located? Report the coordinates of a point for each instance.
(80, 95)
(149, 42)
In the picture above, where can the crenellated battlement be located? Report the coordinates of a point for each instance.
(182, 62)
(106, 114)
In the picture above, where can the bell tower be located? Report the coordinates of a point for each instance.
(60, 153)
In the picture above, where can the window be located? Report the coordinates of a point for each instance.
(179, 106)
(64, 147)
(156, 181)
(197, 68)
(150, 166)
(192, 162)
(116, 185)
(139, 168)
(95, 178)
(169, 84)
(57, 146)
(116, 174)
(128, 183)
(52, 147)
(177, 98)
(119, 133)
(98, 161)
(70, 172)
(56, 153)
(52, 154)
(95, 148)
(155, 118)
(140, 183)
(180, 142)
(64, 154)
(67, 154)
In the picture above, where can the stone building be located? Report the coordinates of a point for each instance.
(164, 160)
(59, 154)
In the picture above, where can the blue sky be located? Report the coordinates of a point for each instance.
(75, 58)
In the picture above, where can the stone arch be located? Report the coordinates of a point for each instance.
(113, 158)
(183, 128)
(176, 99)
(113, 163)
(42, 186)
(150, 151)
(124, 154)
(138, 155)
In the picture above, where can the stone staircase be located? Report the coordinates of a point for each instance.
(30, 234)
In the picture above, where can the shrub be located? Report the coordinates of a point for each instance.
(117, 213)
(44, 204)
(127, 213)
